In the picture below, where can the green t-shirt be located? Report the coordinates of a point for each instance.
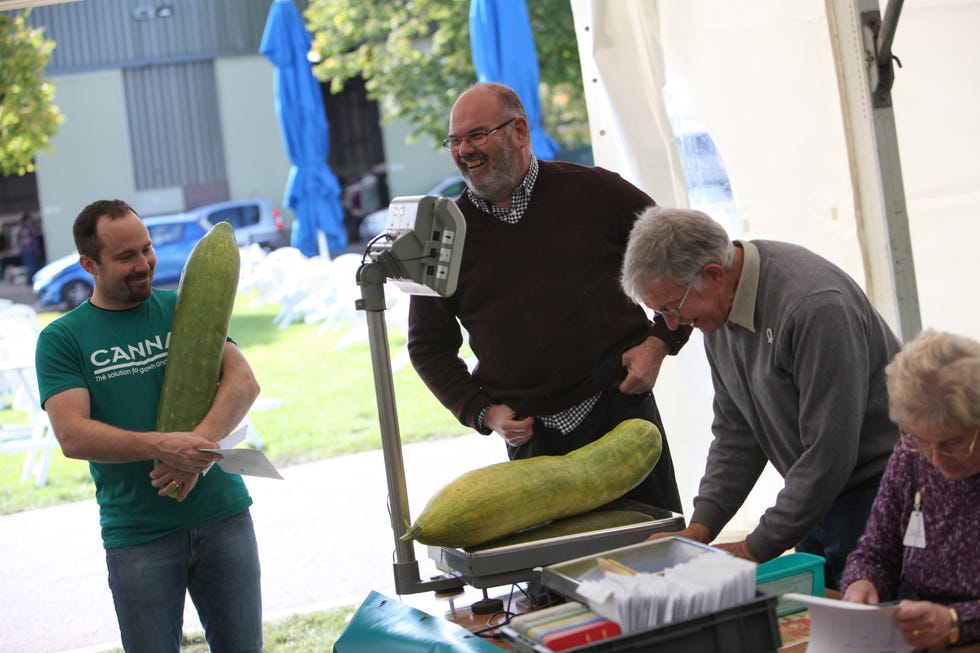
(120, 358)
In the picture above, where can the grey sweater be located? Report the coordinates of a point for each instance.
(799, 381)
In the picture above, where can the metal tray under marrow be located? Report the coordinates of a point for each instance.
(523, 562)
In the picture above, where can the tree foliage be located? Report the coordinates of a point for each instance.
(415, 58)
(28, 116)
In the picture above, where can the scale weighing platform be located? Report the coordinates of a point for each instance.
(523, 562)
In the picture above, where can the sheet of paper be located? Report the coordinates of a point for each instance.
(227, 442)
(249, 462)
(843, 627)
(233, 439)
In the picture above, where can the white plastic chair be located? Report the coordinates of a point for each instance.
(18, 336)
(18, 390)
(34, 438)
(36, 441)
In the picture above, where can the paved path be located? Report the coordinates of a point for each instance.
(324, 540)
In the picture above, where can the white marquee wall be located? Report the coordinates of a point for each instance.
(760, 76)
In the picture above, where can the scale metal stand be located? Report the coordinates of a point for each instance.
(420, 252)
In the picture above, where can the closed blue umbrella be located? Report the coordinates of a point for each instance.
(503, 51)
(312, 191)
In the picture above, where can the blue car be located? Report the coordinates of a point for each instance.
(64, 281)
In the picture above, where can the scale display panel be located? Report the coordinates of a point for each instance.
(422, 245)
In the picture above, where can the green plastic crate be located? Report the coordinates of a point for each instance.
(794, 572)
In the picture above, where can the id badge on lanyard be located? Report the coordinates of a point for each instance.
(915, 534)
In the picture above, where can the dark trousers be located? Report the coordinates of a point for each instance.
(32, 263)
(837, 532)
(658, 489)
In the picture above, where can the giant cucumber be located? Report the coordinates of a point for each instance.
(205, 298)
(493, 501)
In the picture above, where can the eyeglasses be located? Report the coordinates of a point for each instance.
(676, 312)
(949, 448)
(475, 138)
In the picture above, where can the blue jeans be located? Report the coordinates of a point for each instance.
(217, 564)
(837, 532)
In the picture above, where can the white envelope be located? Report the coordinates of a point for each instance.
(248, 462)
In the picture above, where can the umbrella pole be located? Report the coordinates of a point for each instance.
(371, 278)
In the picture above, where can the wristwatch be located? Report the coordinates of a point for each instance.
(954, 626)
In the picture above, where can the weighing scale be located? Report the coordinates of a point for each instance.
(420, 251)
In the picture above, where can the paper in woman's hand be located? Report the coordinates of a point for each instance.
(844, 627)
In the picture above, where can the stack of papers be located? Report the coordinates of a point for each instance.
(641, 601)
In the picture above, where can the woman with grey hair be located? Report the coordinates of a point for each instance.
(921, 539)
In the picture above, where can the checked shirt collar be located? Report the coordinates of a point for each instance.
(519, 199)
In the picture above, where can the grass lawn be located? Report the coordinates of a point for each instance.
(329, 406)
(305, 633)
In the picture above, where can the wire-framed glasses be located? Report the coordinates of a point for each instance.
(676, 311)
(475, 138)
(947, 449)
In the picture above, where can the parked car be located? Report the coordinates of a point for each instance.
(374, 223)
(254, 221)
(65, 281)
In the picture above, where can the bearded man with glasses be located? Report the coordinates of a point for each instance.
(563, 355)
(920, 543)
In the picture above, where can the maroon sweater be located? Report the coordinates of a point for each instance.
(540, 300)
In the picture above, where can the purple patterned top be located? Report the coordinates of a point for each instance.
(947, 570)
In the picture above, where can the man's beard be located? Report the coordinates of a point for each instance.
(138, 293)
(499, 183)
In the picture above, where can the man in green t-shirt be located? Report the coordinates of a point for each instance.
(169, 528)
